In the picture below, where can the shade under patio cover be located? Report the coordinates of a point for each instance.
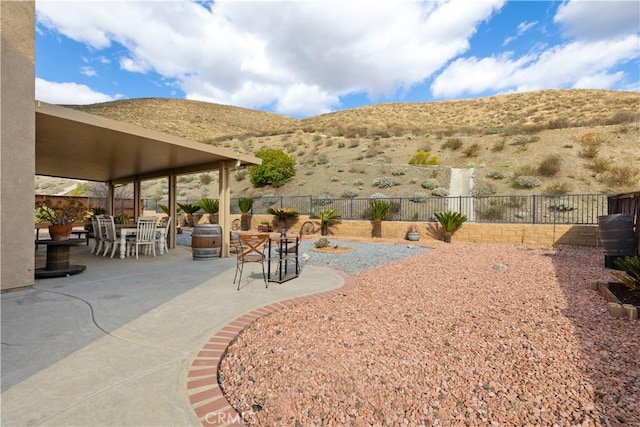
(77, 145)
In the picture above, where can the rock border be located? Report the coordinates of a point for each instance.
(614, 305)
(203, 388)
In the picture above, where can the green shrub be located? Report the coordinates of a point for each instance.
(440, 192)
(550, 165)
(385, 182)
(245, 204)
(423, 158)
(276, 169)
(210, 206)
(323, 160)
(430, 183)
(398, 171)
(350, 193)
(482, 189)
(563, 206)
(379, 209)
(420, 197)
(322, 242)
(526, 181)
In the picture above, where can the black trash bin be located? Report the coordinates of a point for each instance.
(617, 237)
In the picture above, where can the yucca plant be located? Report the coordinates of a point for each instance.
(327, 218)
(450, 223)
(211, 207)
(631, 276)
(378, 209)
(245, 204)
(189, 209)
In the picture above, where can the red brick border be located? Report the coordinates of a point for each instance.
(205, 395)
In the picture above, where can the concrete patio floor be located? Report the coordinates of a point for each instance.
(112, 346)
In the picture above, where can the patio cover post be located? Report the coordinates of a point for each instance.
(136, 199)
(110, 198)
(224, 196)
(173, 212)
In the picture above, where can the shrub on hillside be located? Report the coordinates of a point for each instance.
(550, 165)
(440, 192)
(423, 158)
(452, 144)
(599, 165)
(350, 193)
(496, 175)
(621, 176)
(420, 197)
(385, 182)
(430, 183)
(472, 150)
(557, 188)
(526, 181)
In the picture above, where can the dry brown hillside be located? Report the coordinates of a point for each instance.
(575, 141)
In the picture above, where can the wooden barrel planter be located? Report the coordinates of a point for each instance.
(206, 241)
(617, 237)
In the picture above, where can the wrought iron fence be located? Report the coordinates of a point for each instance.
(531, 209)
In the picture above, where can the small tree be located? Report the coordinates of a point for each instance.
(276, 169)
(327, 218)
(450, 223)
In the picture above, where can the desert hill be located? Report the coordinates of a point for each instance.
(567, 141)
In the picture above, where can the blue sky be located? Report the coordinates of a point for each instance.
(308, 57)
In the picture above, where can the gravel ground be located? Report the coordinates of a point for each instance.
(462, 334)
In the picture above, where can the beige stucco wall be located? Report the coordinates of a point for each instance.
(535, 234)
(17, 143)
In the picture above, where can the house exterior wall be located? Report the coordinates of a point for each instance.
(17, 143)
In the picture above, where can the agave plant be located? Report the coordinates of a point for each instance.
(210, 206)
(327, 218)
(631, 276)
(450, 223)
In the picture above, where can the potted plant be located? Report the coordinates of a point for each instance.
(122, 218)
(245, 204)
(62, 216)
(265, 227)
(189, 209)
(631, 276)
(412, 233)
(450, 223)
(327, 218)
(93, 212)
(378, 209)
(283, 215)
(210, 206)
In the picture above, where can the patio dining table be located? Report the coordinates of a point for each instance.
(124, 230)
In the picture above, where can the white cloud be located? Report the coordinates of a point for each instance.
(88, 71)
(68, 93)
(597, 20)
(523, 27)
(576, 64)
(255, 54)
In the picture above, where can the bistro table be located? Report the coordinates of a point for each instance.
(286, 251)
(125, 230)
(58, 263)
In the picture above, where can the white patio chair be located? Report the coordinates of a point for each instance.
(166, 223)
(97, 234)
(145, 235)
(109, 236)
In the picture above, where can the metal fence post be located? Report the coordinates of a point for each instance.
(533, 209)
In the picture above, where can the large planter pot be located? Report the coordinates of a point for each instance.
(413, 236)
(60, 232)
(377, 228)
(245, 222)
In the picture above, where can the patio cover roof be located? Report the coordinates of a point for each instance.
(77, 145)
